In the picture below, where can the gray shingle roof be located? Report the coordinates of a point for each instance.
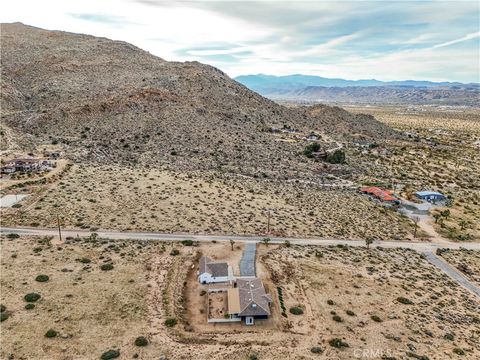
(216, 269)
(254, 301)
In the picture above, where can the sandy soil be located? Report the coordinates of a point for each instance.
(466, 261)
(90, 307)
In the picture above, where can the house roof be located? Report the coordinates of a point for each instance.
(254, 301)
(428, 193)
(216, 269)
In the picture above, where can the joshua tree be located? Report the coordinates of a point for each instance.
(436, 216)
(266, 241)
(415, 219)
(463, 224)
(445, 213)
(368, 241)
(287, 243)
(232, 243)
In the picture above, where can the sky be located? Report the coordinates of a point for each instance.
(385, 40)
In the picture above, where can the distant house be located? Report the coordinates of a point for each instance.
(381, 194)
(26, 165)
(249, 301)
(53, 155)
(430, 196)
(211, 271)
(313, 137)
(9, 168)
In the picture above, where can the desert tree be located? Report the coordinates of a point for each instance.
(266, 240)
(415, 220)
(368, 242)
(232, 242)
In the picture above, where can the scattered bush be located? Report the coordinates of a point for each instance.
(310, 149)
(29, 306)
(404, 300)
(3, 316)
(51, 333)
(85, 260)
(337, 318)
(12, 236)
(171, 322)
(350, 313)
(458, 351)
(202, 293)
(296, 310)
(449, 336)
(2, 308)
(337, 157)
(174, 252)
(32, 297)
(316, 350)
(330, 302)
(141, 341)
(106, 267)
(187, 242)
(110, 354)
(337, 343)
(42, 278)
(376, 318)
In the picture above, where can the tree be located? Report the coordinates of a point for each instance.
(337, 157)
(416, 220)
(436, 216)
(445, 213)
(232, 243)
(368, 241)
(287, 243)
(266, 240)
(463, 224)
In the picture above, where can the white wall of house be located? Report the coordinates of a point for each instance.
(208, 278)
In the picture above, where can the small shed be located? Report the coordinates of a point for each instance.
(430, 196)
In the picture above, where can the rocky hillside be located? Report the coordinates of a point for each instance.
(109, 101)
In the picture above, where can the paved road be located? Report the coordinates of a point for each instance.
(452, 272)
(428, 248)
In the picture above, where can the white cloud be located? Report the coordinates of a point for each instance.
(456, 41)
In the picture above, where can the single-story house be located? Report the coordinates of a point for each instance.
(249, 301)
(430, 196)
(26, 165)
(211, 271)
(9, 168)
(313, 137)
(381, 194)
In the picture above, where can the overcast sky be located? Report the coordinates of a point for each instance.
(385, 40)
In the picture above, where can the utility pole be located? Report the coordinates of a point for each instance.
(59, 230)
(268, 222)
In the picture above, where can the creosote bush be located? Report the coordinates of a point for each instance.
(376, 318)
(51, 333)
(171, 322)
(316, 350)
(32, 297)
(29, 306)
(110, 354)
(106, 267)
(404, 300)
(174, 252)
(337, 343)
(141, 341)
(42, 278)
(295, 310)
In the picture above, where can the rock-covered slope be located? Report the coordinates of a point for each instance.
(109, 101)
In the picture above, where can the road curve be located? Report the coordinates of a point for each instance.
(427, 248)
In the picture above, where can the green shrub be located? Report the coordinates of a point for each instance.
(449, 336)
(296, 310)
(170, 322)
(3, 316)
(376, 318)
(310, 149)
(85, 260)
(337, 157)
(330, 302)
(106, 267)
(29, 306)
(174, 252)
(12, 236)
(42, 278)
(350, 313)
(404, 300)
(337, 343)
(316, 350)
(202, 293)
(187, 242)
(253, 357)
(51, 333)
(2, 308)
(458, 351)
(32, 297)
(141, 341)
(337, 318)
(110, 354)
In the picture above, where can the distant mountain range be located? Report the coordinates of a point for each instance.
(320, 89)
